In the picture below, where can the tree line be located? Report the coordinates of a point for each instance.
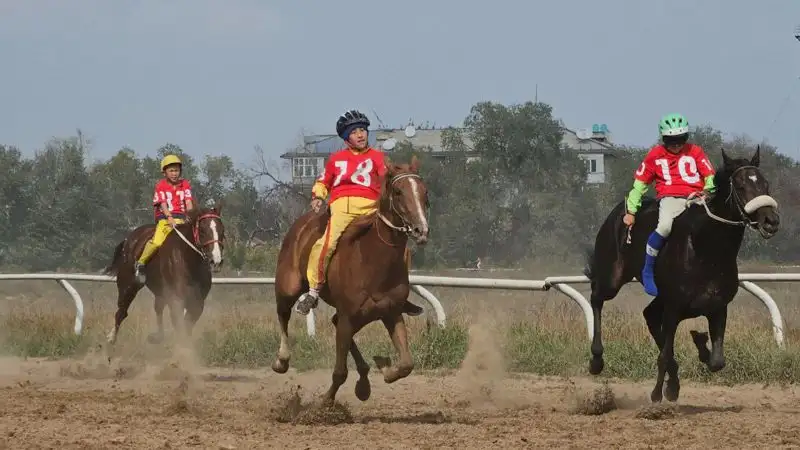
(525, 198)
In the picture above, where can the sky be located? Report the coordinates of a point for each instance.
(221, 77)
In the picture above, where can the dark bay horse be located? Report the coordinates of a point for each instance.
(178, 274)
(696, 272)
(367, 279)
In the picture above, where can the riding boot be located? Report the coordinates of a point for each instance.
(654, 244)
(307, 302)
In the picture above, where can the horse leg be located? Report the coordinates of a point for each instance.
(177, 316)
(396, 326)
(344, 336)
(193, 312)
(363, 388)
(126, 292)
(653, 314)
(716, 326)
(598, 297)
(157, 336)
(284, 306)
(666, 360)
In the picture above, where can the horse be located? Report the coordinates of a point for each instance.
(367, 278)
(696, 272)
(178, 274)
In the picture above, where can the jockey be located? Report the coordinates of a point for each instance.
(171, 201)
(353, 178)
(679, 170)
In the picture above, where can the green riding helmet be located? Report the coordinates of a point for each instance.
(673, 125)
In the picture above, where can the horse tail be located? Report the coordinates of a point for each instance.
(113, 268)
(588, 269)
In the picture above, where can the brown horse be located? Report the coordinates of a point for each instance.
(367, 277)
(178, 274)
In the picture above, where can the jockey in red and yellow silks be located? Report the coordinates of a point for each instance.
(353, 177)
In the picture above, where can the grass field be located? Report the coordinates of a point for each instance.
(541, 333)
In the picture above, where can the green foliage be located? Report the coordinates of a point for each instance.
(508, 191)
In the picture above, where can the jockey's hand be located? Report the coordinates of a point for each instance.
(316, 204)
(629, 219)
(171, 221)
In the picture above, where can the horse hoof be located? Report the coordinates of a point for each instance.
(363, 389)
(656, 396)
(672, 392)
(596, 366)
(280, 366)
(716, 366)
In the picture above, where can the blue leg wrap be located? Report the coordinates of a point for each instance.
(654, 244)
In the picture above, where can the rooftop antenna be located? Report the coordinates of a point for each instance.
(380, 122)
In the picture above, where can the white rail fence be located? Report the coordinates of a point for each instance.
(559, 283)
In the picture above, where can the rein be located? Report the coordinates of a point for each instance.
(196, 234)
(733, 197)
(405, 228)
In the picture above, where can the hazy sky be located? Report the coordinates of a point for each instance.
(223, 76)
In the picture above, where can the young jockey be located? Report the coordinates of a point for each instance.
(353, 178)
(171, 201)
(679, 169)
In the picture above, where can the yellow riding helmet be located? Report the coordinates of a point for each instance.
(170, 159)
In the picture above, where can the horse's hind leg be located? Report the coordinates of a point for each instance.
(396, 326)
(600, 294)
(284, 305)
(363, 388)
(126, 292)
(194, 309)
(157, 336)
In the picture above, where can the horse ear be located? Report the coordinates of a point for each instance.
(218, 206)
(414, 163)
(756, 159)
(193, 213)
(725, 160)
(389, 166)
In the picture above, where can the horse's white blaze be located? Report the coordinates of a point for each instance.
(216, 254)
(423, 220)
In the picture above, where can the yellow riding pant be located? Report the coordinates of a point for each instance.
(343, 211)
(163, 229)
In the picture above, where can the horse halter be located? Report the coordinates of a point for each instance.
(406, 227)
(745, 209)
(196, 235)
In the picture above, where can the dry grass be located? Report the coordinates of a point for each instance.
(538, 332)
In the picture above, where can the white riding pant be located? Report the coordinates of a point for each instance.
(668, 209)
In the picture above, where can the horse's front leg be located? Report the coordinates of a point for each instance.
(396, 326)
(716, 327)
(157, 336)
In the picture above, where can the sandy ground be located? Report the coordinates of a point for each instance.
(176, 404)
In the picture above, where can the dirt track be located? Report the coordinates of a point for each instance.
(48, 404)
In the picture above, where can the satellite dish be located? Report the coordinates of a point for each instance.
(410, 131)
(389, 144)
(583, 133)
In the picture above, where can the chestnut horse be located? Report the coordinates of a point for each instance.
(178, 274)
(367, 278)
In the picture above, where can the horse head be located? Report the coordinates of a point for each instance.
(209, 233)
(748, 193)
(405, 198)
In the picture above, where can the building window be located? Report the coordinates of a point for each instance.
(591, 165)
(306, 167)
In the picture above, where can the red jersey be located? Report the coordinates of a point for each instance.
(348, 174)
(676, 175)
(174, 195)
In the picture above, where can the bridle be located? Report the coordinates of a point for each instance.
(196, 234)
(745, 209)
(406, 228)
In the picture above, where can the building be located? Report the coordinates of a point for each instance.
(593, 146)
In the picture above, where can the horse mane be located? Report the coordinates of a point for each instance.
(361, 225)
